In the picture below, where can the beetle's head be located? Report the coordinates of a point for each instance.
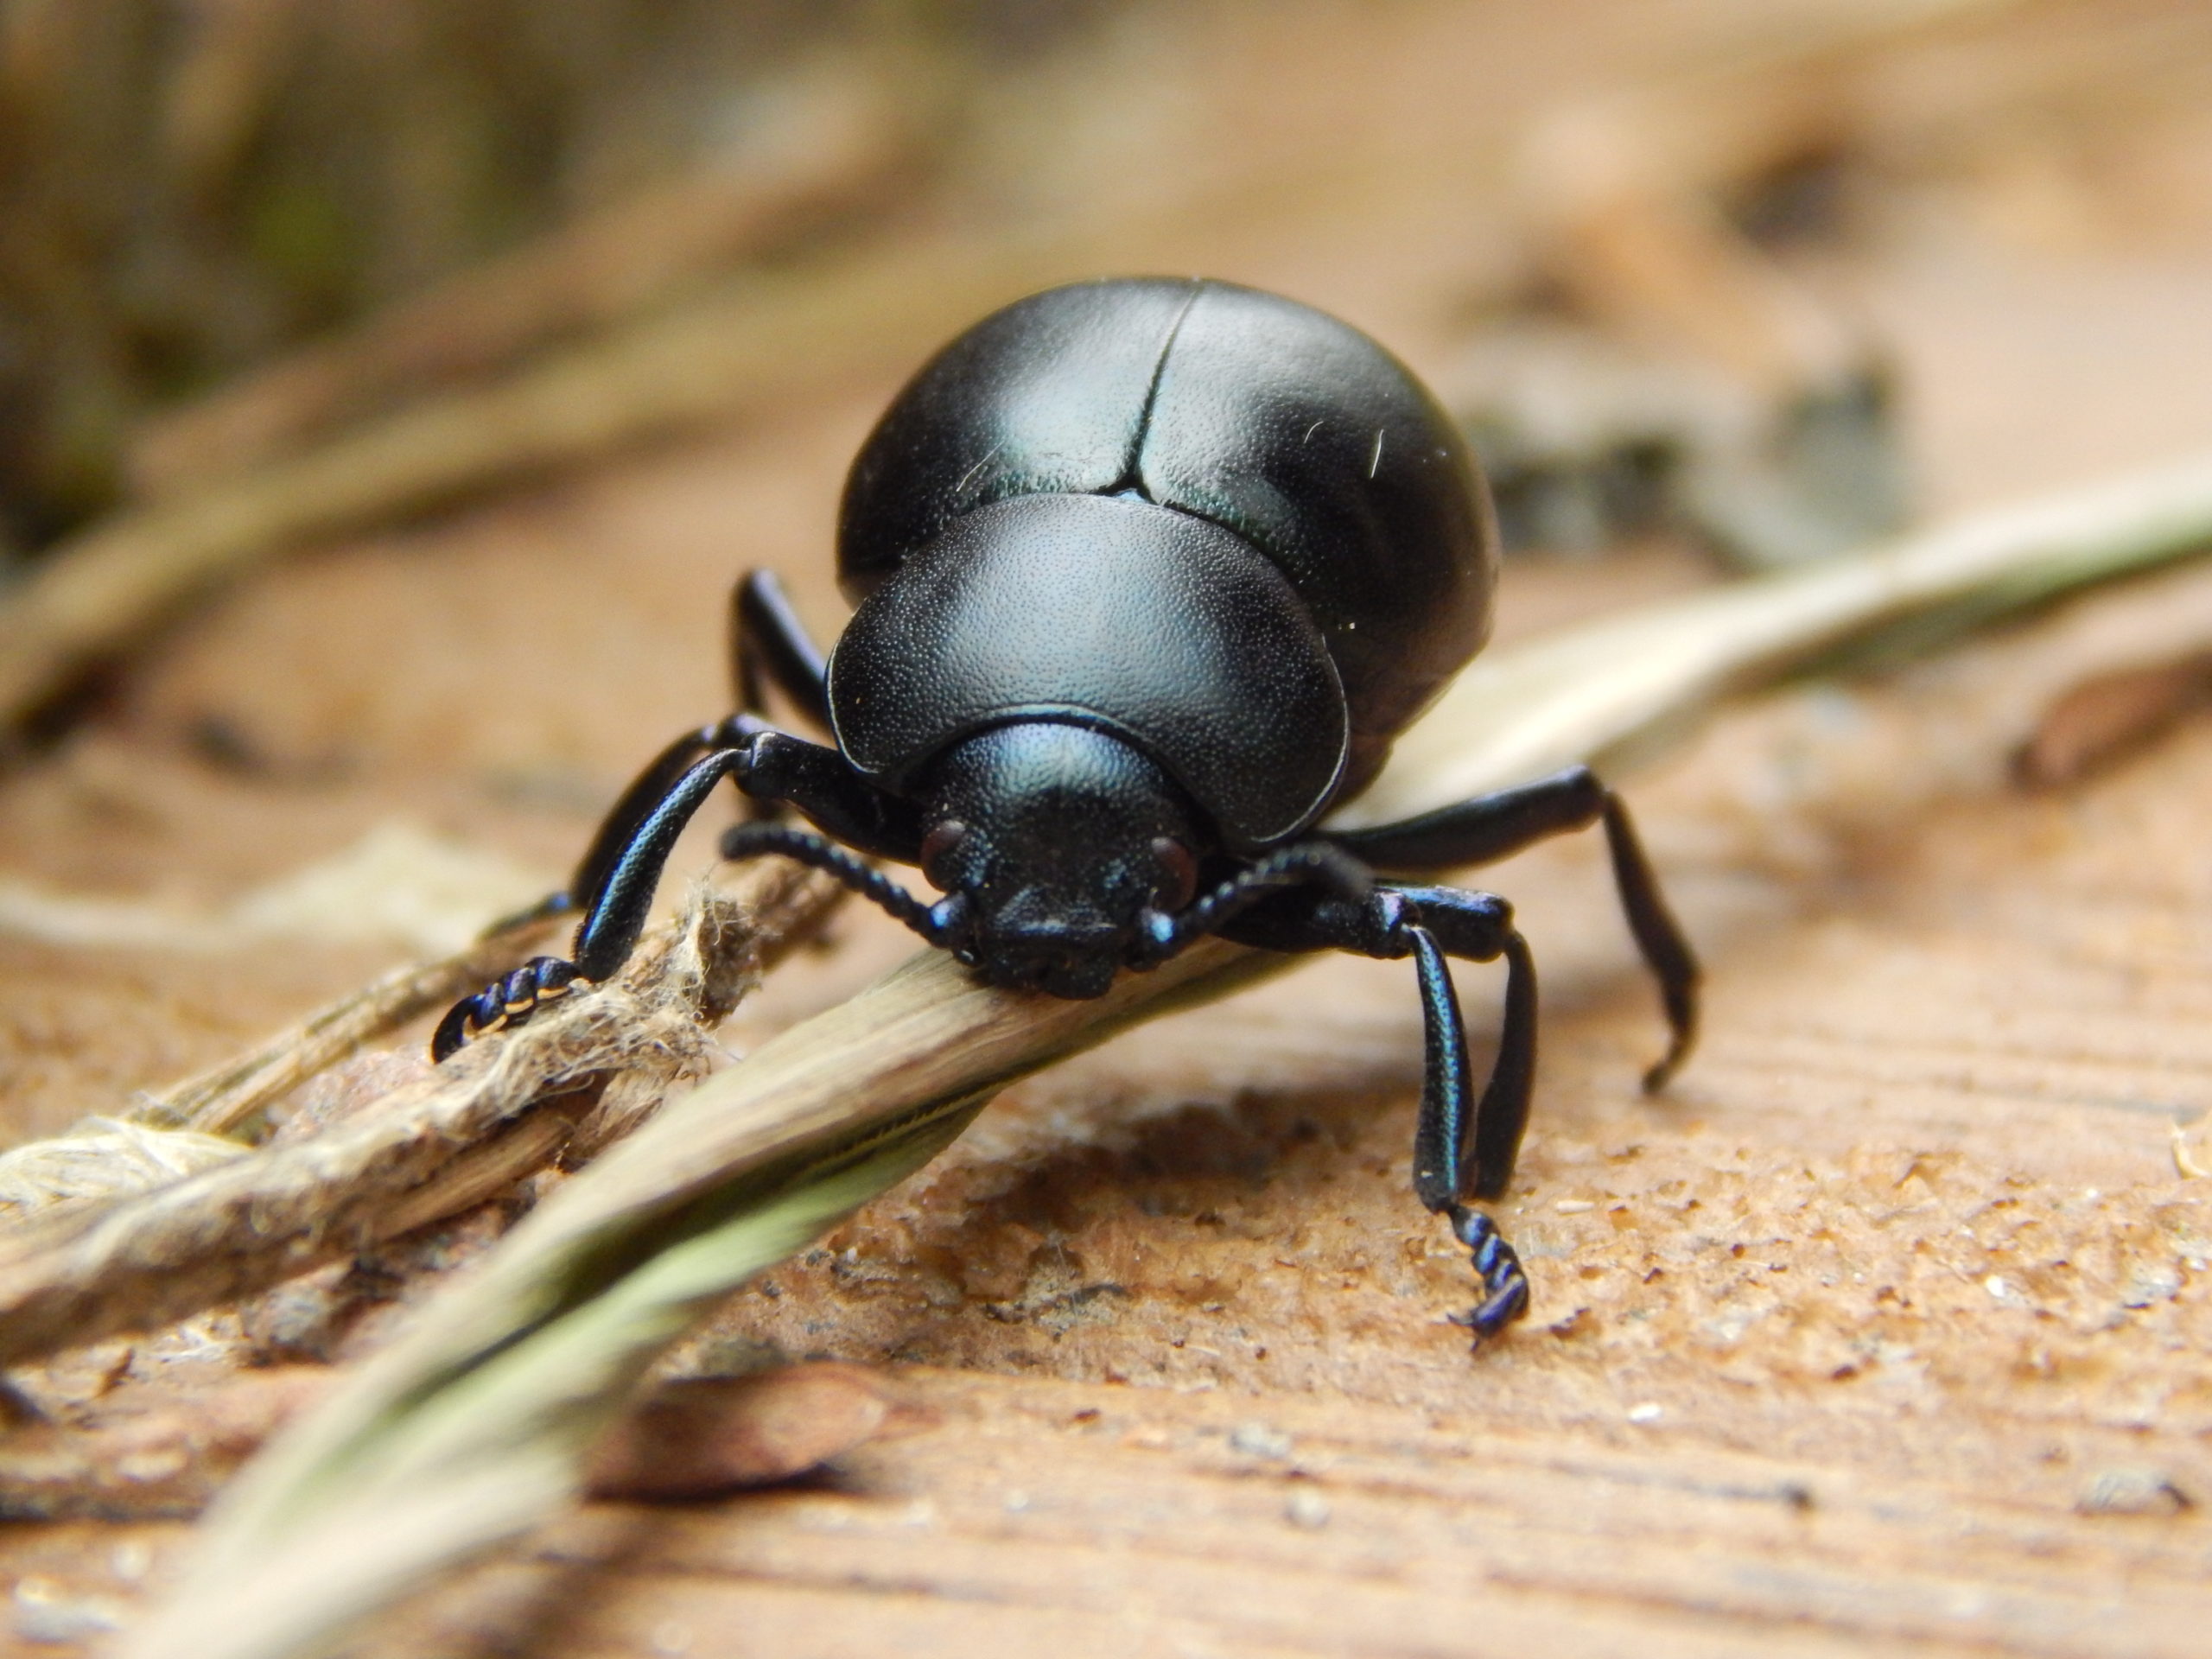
(1060, 850)
(1065, 856)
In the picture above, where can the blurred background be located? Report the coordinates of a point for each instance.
(1627, 215)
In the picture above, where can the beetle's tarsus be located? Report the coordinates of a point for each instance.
(503, 1003)
(1662, 1071)
(1505, 1284)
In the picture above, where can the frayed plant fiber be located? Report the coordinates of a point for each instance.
(105, 1157)
(92, 1270)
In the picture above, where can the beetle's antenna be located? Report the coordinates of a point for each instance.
(804, 846)
(1314, 862)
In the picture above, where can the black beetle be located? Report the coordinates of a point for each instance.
(1149, 573)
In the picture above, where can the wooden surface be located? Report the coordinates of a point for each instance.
(1884, 1329)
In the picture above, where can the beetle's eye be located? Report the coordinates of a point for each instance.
(937, 846)
(1181, 869)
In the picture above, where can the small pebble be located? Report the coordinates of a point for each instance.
(2150, 1283)
(1258, 1440)
(1573, 1206)
(1649, 1412)
(1306, 1509)
(46, 1613)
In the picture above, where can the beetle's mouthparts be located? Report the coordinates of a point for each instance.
(1069, 955)
(1070, 964)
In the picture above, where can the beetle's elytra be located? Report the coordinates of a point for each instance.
(1230, 424)
(1149, 574)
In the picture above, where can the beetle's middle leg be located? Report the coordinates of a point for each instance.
(1464, 1146)
(768, 645)
(1491, 827)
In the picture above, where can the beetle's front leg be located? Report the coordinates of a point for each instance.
(618, 877)
(1463, 1146)
(837, 800)
(619, 828)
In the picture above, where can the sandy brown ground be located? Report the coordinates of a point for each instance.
(1884, 1329)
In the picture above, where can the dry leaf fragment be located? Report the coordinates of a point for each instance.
(701, 1435)
(2104, 717)
(348, 1093)
(437, 1148)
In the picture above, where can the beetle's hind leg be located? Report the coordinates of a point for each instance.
(1494, 826)
(769, 645)
(1465, 1146)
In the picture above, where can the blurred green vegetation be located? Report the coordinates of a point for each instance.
(189, 186)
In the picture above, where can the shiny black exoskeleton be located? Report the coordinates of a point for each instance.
(1149, 574)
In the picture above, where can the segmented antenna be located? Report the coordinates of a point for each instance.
(1315, 863)
(804, 846)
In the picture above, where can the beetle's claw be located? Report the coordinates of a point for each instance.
(1681, 1039)
(505, 1002)
(1505, 1286)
